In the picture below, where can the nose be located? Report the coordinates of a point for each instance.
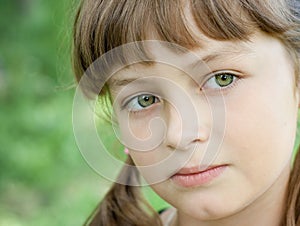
(185, 128)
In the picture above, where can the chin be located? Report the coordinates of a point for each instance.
(211, 211)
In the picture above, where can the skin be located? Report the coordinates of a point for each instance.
(261, 114)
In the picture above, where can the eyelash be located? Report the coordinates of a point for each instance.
(158, 99)
(133, 102)
(214, 77)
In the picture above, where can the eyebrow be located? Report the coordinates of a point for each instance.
(123, 82)
(214, 56)
(217, 55)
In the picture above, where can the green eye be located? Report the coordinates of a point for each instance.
(224, 79)
(140, 102)
(146, 100)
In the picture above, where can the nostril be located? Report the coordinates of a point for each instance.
(203, 134)
(189, 138)
(197, 140)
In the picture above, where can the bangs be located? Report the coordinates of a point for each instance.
(113, 23)
(101, 26)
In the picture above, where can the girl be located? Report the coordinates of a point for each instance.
(223, 127)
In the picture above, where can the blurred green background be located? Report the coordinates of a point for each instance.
(43, 178)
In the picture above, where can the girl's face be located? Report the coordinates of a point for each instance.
(255, 83)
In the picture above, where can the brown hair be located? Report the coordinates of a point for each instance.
(102, 25)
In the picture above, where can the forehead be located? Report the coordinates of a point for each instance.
(168, 58)
(214, 55)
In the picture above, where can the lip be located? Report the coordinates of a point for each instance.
(193, 176)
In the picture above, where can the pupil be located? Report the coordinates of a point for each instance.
(146, 100)
(224, 77)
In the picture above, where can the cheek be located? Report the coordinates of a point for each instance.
(138, 128)
(261, 128)
(148, 158)
(142, 130)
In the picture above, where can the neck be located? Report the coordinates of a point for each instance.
(268, 209)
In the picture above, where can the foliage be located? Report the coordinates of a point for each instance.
(43, 179)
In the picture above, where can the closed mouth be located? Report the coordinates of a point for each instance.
(194, 176)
